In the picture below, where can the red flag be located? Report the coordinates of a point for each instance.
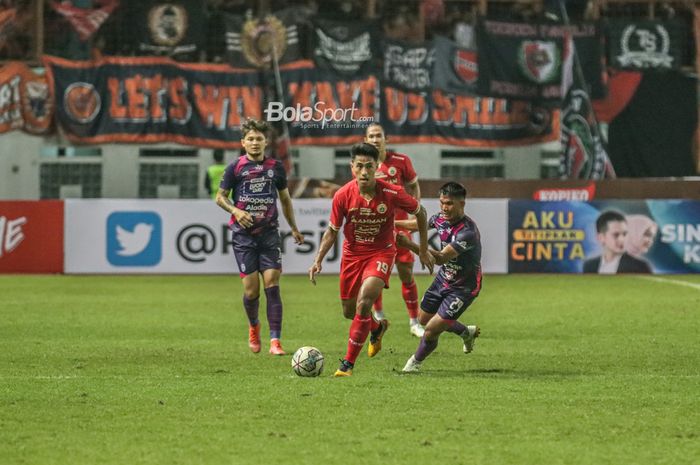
(86, 21)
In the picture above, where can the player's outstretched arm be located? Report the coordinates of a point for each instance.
(411, 224)
(426, 259)
(445, 255)
(327, 242)
(288, 212)
(243, 218)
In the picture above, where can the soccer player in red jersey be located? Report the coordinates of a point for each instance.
(367, 206)
(396, 168)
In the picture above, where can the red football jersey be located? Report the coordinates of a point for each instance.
(397, 169)
(369, 224)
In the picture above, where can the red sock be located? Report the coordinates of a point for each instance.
(410, 296)
(359, 329)
(378, 303)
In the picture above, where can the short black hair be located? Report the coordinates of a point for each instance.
(453, 189)
(254, 125)
(218, 155)
(366, 149)
(601, 224)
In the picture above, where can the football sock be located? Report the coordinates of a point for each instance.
(274, 311)
(410, 296)
(456, 327)
(425, 348)
(359, 329)
(251, 309)
(374, 325)
(413, 321)
(378, 304)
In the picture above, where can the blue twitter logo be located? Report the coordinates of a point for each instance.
(134, 238)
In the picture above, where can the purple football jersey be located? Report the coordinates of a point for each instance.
(254, 189)
(464, 271)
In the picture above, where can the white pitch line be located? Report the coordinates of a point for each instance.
(672, 281)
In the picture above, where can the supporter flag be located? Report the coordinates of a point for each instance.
(250, 43)
(408, 66)
(583, 153)
(85, 21)
(639, 44)
(524, 60)
(344, 47)
(174, 29)
(455, 69)
(25, 100)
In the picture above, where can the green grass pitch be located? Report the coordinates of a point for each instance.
(100, 370)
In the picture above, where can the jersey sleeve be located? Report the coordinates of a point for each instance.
(406, 202)
(337, 211)
(464, 240)
(432, 220)
(280, 176)
(410, 175)
(228, 180)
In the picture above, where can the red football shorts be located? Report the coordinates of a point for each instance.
(355, 269)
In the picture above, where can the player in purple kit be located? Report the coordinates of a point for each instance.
(256, 183)
(458, 281)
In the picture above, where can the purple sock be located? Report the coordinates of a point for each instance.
(456, 327)
(251, 309)
(425, 348)
(274, 311)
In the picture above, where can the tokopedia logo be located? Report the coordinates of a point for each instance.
(319, 113)
(134, 238)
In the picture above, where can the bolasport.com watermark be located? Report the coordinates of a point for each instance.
(318, 116)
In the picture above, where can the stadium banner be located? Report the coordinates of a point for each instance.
(192, 236)
(662, 236)
(250, 42)
(25, 100)
(147, 100)
(524, 60)
(461, 120)
(455, 69)
(407, 66)
(343, 46)
(643, 44)
(31, 236)
(175, 29)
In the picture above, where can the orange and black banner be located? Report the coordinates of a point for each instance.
(322, 109)
(25, 100)
(144, 100)
(148, 100)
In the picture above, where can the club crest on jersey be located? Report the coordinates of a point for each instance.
(392, 171)
(270, 173)
(381, 208)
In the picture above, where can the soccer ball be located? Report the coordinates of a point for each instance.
(307, 361)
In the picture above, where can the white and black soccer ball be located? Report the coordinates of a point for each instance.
(307, 361)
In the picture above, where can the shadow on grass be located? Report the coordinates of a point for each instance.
(506, 373)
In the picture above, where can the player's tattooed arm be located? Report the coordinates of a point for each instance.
(327, 242)
(445, 255)
(243, 218)
(413, 189)
(411, 224)
(426, 259)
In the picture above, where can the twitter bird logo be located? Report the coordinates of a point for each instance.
(133, 242)
(134, 238)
